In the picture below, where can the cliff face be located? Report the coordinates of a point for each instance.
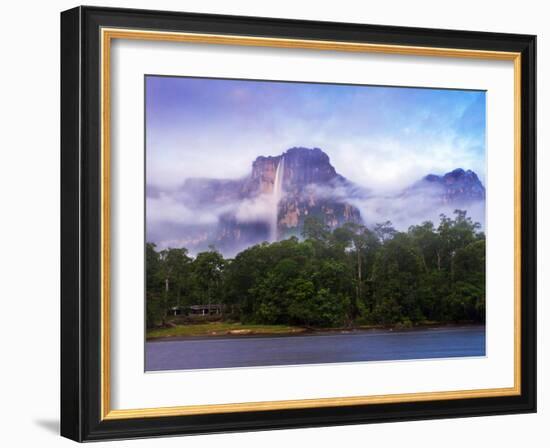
(302, 167)
(262, 178)
(307, 166)
(312, 187)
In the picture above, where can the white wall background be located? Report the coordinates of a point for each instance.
(29, 189)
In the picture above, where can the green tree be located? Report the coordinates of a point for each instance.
(315, 229)
(207, 271)
(385, 231)
(155, 299)
(428, 243)
(363, 245)
(315, 308)
(176, 269)
(396, 275)
(454, 234)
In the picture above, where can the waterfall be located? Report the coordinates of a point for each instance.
(277, 196)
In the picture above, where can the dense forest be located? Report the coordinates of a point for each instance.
(350, 276)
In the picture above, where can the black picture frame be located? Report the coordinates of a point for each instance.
(81, 224)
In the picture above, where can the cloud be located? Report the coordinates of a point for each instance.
(380, 138)
(167, 208)
(387, 164)
(404, 211)
(403, 208)
(173, 223)
(258, 209)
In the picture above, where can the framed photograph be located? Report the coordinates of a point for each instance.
(273, 223)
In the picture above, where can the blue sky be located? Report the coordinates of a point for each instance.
(383, 138)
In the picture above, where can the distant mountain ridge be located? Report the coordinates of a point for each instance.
(272, 202)
(458, 186)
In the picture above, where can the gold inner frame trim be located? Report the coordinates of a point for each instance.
(107, 35)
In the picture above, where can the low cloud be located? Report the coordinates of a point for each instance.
(412, 210)
(174, 221)
(167, 208)
(256, 209)
(405, 207)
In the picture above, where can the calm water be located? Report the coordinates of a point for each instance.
(375, 345)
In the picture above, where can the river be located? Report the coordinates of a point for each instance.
(370, 345)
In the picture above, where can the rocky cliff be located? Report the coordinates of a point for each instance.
(278, 195)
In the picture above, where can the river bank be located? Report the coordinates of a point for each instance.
(239, 330)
